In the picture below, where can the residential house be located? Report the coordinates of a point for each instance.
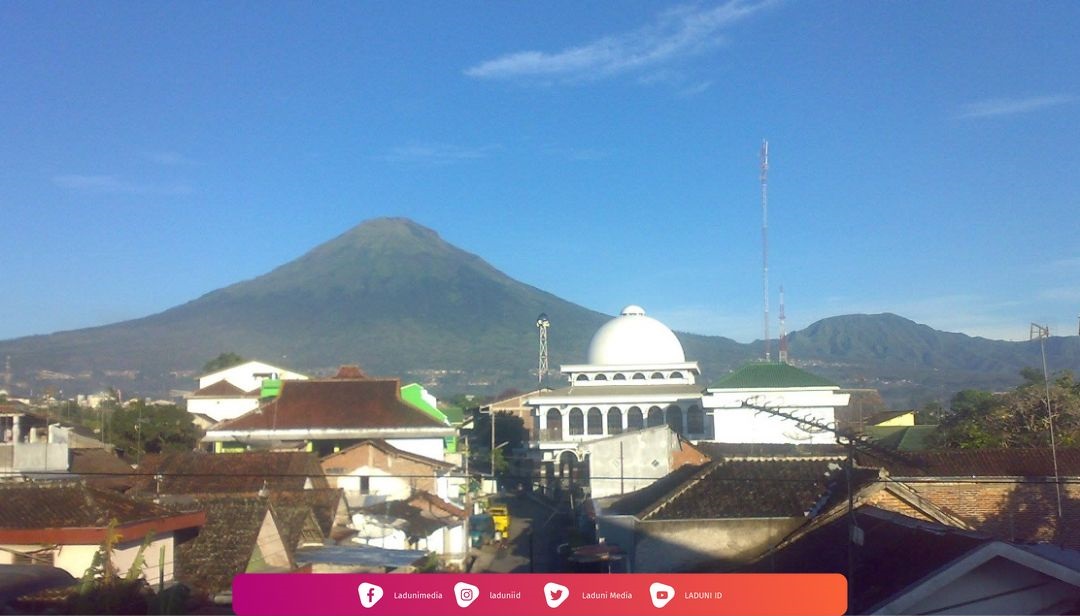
(201, 473)
(231, 392)
(1010, 494)
(63, 524)
(241, 535)
(421, 522)
(903, 565)
(373, 471)
(326, 415)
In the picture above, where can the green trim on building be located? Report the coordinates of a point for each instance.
(771, 376)
(413, 393)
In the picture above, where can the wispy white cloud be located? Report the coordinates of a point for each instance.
(112, 184)
(436, 153)
(996, 107)
(169, 158)
(675, 34)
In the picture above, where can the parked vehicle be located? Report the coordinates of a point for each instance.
(500, 514)
(481, 529)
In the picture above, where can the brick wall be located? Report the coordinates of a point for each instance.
(419, 476)
(1013, 509)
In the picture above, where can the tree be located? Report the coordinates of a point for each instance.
(141, 428)
(223, 361)
(1018, 418)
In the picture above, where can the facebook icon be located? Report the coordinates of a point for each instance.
(369, 594)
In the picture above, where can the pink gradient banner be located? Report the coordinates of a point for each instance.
(554, 595)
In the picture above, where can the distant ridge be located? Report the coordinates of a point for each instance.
(396, 298)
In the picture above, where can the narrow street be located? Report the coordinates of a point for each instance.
(536, 530)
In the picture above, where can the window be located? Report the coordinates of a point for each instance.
(614, 420)
(676, 375)
(577, 422)
(596, 421)
(365, 485)
(619, 377)
(657, 376)
(554, 424)
(695, 421)
(582, 377)
(600, 377)
(639, 376)
(656, 416)
(634, 420)
(675, 419)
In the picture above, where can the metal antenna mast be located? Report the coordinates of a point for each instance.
(1043, 332)
(765, 242)
(542, 325)
(783, 330)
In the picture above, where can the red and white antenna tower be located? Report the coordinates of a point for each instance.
(783, 330)
(765, 242)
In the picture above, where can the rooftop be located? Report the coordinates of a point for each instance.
(771, 376)
(198, 472)
(334, 404)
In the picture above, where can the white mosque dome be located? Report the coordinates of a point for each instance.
(633, 338)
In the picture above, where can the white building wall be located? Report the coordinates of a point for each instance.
(244, 375)
(427, 447)
(381, 487)
(734, 423)
(222, 408)
(125, 553)
(630, 461)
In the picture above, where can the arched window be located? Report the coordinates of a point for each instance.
(577, 422)
(675, 419)
(554, 425)
(634, 421)
(619, 377)
(639, 376)
(600, 377)
(657, 376)
(596, 421)
(695, 421)
(582, 377)
(656, 416)
(676, 375)
(614, 420)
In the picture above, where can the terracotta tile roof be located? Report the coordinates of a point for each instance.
(198, 472)
(102, 469)
(222, 389)
(77, 513)
(638, 502)
(297, 525)
(897, 552)
(1036, 462)
(334, 403)
(436, 506)
(350, 371)
(225, 543)
(758, 489)
(325, 504)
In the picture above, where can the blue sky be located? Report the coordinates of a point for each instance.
(924, 157)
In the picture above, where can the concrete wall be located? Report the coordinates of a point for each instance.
(34, 457)
(661, 546)
(222, 408)
(76, 559)
(631, 461)
(243, 375)
(428, 447)
(735, 424)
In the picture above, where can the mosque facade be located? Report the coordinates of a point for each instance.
(637, 376)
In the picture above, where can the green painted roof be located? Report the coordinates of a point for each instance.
(765, 376)
(902, 438)
(413, 393)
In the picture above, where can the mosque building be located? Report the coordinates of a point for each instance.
(637, 376)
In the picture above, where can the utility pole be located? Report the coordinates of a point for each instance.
(765, 242)
(1043, 332)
